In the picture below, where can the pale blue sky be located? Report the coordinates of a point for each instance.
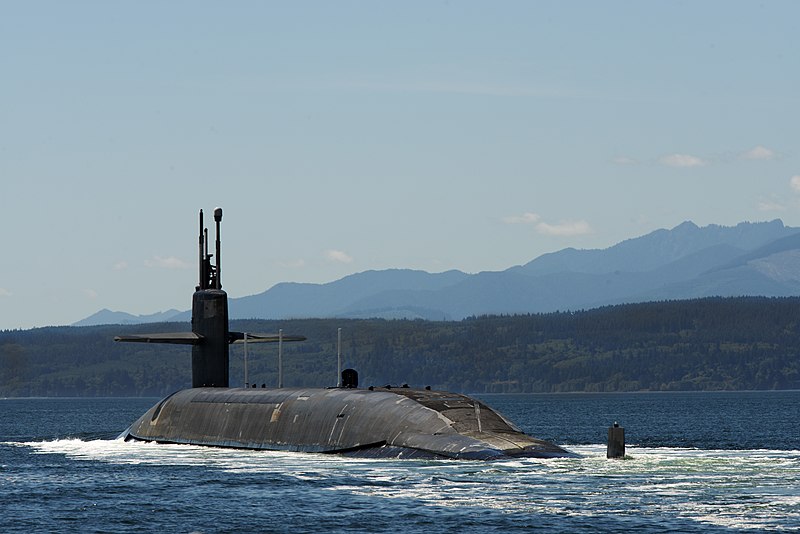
(346, 136)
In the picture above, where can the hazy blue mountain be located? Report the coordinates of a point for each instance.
(337, 298)
(685, 262)
(665, 264)
(772, 270)
(106, 316)
(657, 248)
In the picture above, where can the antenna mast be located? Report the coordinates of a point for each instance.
(201, 284)
(339, 358)
(209, 274)
(218, 278)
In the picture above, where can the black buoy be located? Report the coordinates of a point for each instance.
(616, 441)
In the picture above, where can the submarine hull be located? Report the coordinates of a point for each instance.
(397, 422)
(376, 422)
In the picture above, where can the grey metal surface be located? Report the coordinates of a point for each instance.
(380, 422)
(178, 338)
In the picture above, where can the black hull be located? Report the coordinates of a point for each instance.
(379, 423)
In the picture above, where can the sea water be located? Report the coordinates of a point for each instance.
(696, 462)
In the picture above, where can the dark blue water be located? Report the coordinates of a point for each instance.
(698, 462)
(706, 420)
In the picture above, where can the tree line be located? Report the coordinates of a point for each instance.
(747, 343)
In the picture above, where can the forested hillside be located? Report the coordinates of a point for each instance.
(705, 344)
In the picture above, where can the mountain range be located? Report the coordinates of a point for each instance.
(685, 262)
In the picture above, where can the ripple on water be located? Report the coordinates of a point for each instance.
(684, 488)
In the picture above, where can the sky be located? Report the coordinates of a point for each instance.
(346, 136)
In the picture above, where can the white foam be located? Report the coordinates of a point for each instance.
(757, 489)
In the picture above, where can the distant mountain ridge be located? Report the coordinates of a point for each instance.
(106, 316)
(685, 262)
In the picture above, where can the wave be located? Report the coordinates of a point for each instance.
(136, 452)
(114, 440)
(744, 489)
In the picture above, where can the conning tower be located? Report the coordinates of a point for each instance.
(210, 335)
(210, 316)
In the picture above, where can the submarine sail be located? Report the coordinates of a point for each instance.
(368, 422)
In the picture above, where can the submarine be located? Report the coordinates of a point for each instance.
(374, 422)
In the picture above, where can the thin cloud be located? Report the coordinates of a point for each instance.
(90, 293)
(338, 256)
(461, 87)
(759, 152)
(794, 183)
(293, 264)
(566, 228)
(623, 160)
(525, 218)
(4, 292)
(768, 205)
(120, 266)
(166, 263)
(682, 161)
